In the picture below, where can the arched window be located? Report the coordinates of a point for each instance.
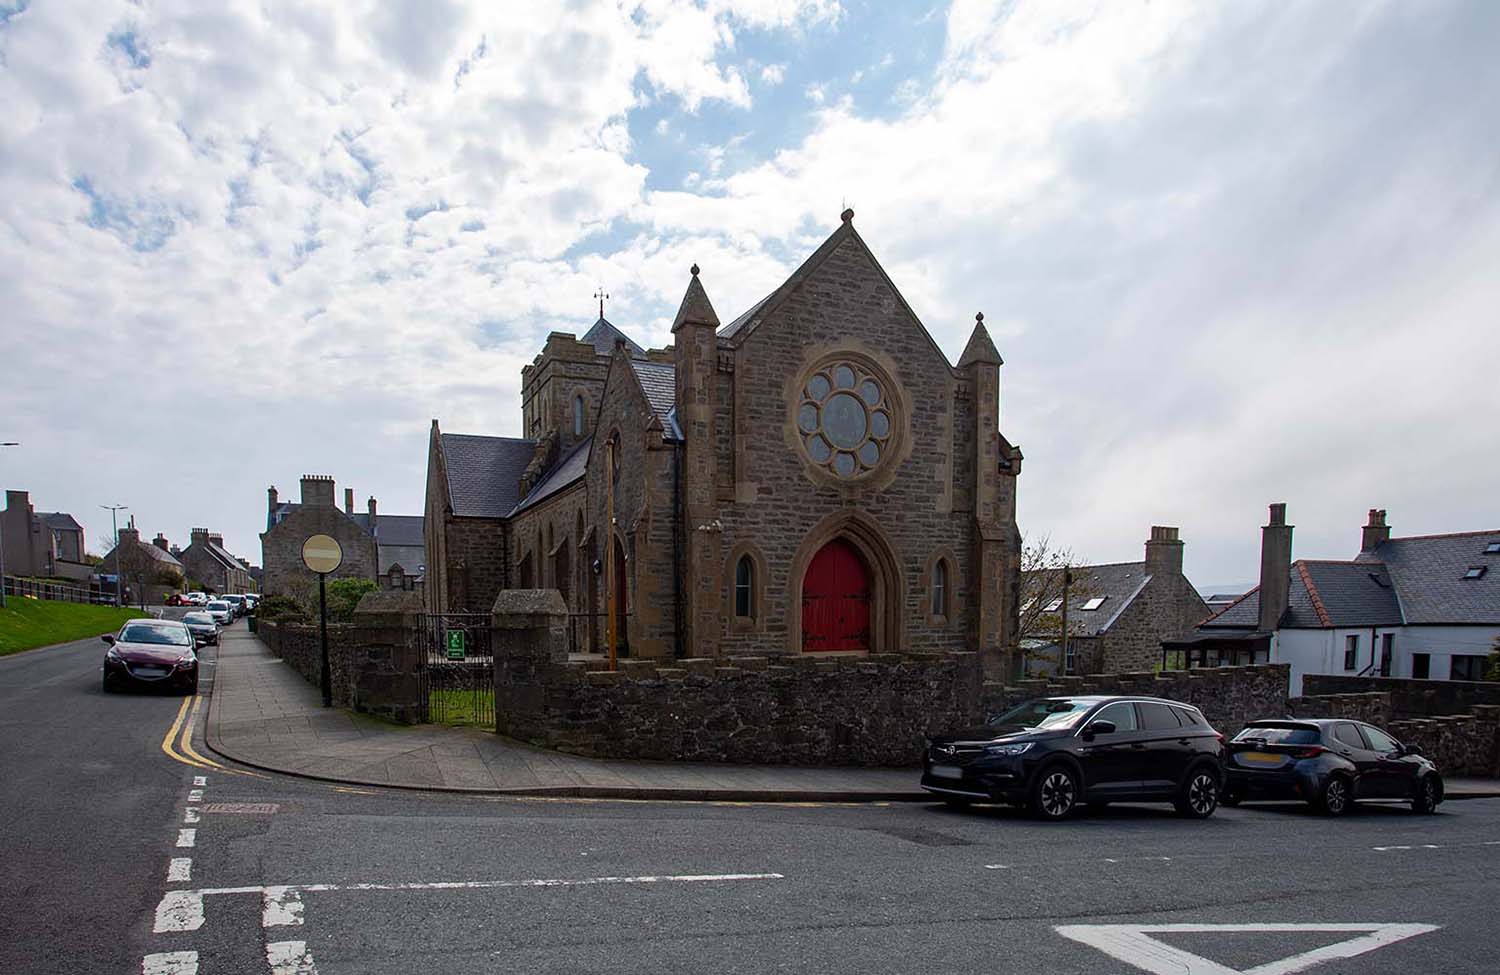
(744, 588)
(940, 588)
(578, 415)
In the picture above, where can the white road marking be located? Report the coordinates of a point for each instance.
(200, 780)
(281, 907)
(290, 958)
(190, 815)
(179, 910)
(182, 910)
(997, 866)
(1420, 846)
(180, 870)
(170, 963)
(186, 837)
(195, 795)
(1133, 944)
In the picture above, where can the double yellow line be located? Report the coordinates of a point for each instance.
(178, 743)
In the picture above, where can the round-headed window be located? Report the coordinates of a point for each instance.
(844, 419)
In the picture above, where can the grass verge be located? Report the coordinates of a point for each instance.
(26, 623)
(462, 709)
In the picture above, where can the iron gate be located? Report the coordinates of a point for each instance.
(456, 669)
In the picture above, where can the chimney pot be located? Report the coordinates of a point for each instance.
(348, 501)
(160, 541)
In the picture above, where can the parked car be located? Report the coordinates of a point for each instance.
(1054, 754)
(203, 627)
(237, 602)
(151, 653)
(222, 612)
(1328, 763)
(197, 598)
(252, 600)
(175, 599)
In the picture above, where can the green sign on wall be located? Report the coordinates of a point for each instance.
(455, 644)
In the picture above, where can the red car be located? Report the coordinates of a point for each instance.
(176, 599)
(151, 653)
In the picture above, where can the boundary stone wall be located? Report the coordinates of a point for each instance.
(297, 645)
(1409, 698)
(795, 710)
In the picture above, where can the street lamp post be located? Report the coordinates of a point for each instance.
(114, 521)
(7, 443)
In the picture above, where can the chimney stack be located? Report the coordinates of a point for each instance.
(348, 501)
(160, 541)
(1375, 532)
(198, 536)
(128, 534)
(271, 497)
(317, 489)
(1164, 552)
(216, 539)
(1275, 568)
(372, 514)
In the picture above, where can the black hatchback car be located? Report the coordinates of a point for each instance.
(1327, 763)
(1055, 753)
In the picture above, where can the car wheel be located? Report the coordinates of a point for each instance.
(1335, 798)
(1199, 795)
(1429, 794)
(1054, 795)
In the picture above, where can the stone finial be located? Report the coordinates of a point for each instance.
(696, 309)
(694, 269)
(848, 215)
(980, 348)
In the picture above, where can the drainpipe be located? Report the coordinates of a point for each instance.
(677, 650)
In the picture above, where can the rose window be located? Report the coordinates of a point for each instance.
(844, 419)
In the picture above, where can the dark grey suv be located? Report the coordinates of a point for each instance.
(1055, 753)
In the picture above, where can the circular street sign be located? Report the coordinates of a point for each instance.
(322, 554)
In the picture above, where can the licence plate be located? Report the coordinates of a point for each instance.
(947, 772)
(1261, 758)
(150, 671)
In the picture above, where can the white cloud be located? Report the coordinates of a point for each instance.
(773, 74)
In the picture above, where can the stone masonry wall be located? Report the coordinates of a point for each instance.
(1459, 743)
(1168, 607)
(1229, 697)
(1409, 698)
(281, 551)
(297, 645)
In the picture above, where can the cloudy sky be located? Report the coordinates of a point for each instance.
(1232, 253)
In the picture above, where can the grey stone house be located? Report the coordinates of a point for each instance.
(148, 565)
(1120, 613)
(43, 544)
(208, 563)
(814, 477)
(385, 549)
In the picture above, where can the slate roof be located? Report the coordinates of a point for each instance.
(59, 521)
(573, 466)
(1322, 595)
(659, 382)
(1428, 573)
(603, 337)
(484, 473)
(396, 529)
(1118, 582)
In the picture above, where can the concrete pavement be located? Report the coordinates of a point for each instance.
(263, 714)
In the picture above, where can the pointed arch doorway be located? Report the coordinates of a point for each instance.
(837, 592)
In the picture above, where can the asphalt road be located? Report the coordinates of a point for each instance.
(344, 880)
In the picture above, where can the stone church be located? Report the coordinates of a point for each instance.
(813, 477)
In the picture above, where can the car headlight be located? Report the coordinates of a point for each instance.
(114, 654)
(1007, 750)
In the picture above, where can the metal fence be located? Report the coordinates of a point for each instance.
(456, 669)
(39, 589)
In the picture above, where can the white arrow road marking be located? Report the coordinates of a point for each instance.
(170, 963)
(290, 958)
(1133, 944)
(180, 870)
(281, 907)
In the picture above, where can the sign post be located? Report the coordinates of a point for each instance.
(455, 644)
(321, 554)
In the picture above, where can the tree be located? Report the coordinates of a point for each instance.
(1043, 568)
(344, 595)
(1492, 672)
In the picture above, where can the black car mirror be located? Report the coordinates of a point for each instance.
(1410, 750)
(108, 638)
(1099, 728)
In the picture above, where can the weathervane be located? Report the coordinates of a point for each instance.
(601, 295)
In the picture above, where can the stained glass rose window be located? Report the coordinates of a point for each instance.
(844, 419)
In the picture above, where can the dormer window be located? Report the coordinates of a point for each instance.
(1476, 572)
(1095, 603)
(1493, 548)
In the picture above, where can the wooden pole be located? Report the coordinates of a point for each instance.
(609, 549)
(1067, 584)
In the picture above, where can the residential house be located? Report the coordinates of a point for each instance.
(212, 566)
(143, 566)
(1425, 607)
(42, 544)
(373, 544)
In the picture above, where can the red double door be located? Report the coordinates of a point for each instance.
(836, 600)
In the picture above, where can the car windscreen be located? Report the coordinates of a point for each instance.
(1280, 735)
(219, 605)
(167, 636)
(1048, 712)
(202, 619)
